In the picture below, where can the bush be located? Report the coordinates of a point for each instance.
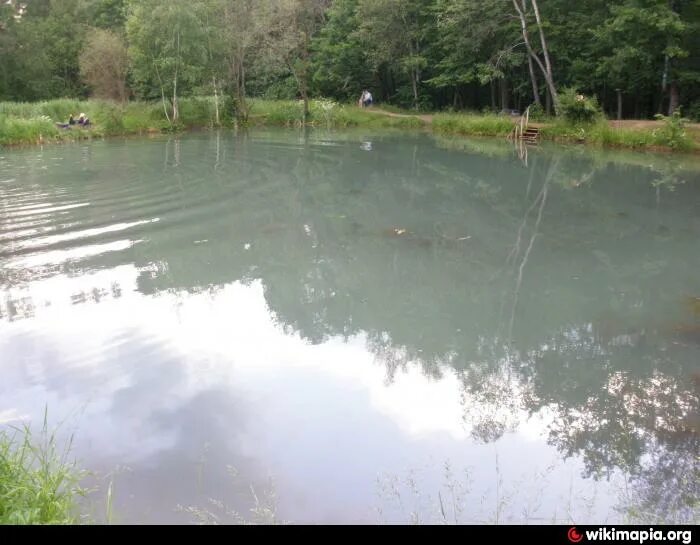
(228, 109)
(109, 116)
(537, 113)
(577, 108)
(140, 117)
(673, 134)
(198, 111)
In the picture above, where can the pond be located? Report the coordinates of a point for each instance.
(358, 327)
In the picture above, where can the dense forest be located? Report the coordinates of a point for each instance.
(638, 57)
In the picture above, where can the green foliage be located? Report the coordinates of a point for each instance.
(537, 113)
(108, 116)
(352, 116)
(673, 134)
(29, 123)
(55, 109)
(276, 112)
(395, 33)
(577, 108)
(110, 14)
(167, 46)
(198, 112)
(424, 54)
(341, 67)
(325, 113)
(472, 124)
(38, 484)
(144, 117)
(633, 41)
(26, 131)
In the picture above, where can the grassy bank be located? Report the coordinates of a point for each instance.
(37, 483)
(670, 135)
(32, 123)
(659, 136)
(35, 123)
(473, 124)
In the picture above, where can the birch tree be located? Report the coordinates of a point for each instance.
(167, 48)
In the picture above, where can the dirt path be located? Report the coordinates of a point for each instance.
(425, 118)
(646, 124)
(635, 124)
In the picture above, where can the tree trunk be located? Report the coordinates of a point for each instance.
(303, 77)
(493, 95)
(659, 102)
(533, 79)
(674, 100)
(526, 38)
(162, 94)
(239, 83)
(305, 96)
(545, 51)
(505, 100)
(619, 104)
(243, 99)
(216, 101)
(176, 107)
(414, 85)
(304, 89)
(243, 90)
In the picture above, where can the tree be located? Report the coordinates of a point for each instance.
(107, 14)
(397, 32)
(292, 24)
(104, 64)
(167, 47)
(242, 27)
(40, 44)
(478, 45)
(437, 53)
(521, 8)
(639, 43)
(340, 64)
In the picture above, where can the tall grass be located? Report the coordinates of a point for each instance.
(32, 130)
(27, 123)
(289, 113)
(352, 116)
(605, 135)
(31, 123)
(38, 484)
(472, 124)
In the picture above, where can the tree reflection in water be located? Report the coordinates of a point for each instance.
(546, 286)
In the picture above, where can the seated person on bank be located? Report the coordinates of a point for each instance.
(83, 120)
(71, 122)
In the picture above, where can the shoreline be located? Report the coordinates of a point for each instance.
(146, 120)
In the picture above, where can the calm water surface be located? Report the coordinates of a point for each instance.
(358, 327)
